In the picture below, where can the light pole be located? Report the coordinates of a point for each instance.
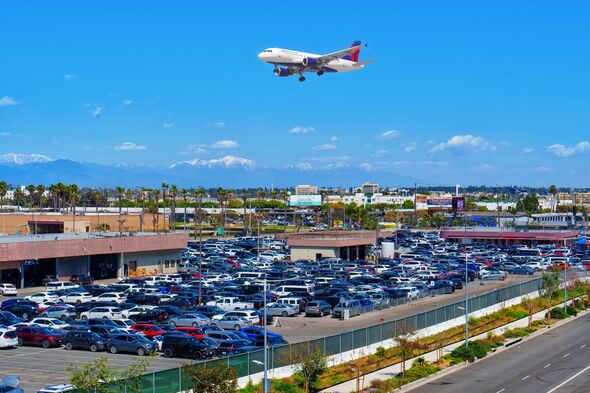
(466, 302)
(265, 378)
(565, 287)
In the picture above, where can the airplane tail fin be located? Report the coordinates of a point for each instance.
(354, 56)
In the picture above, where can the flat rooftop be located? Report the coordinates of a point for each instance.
(64, 245)
(334, 238)
(509, 235)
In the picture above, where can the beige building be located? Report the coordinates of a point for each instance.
(306, 189)
(29, 223)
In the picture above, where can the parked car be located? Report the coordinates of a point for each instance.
(23, 310)
(61, 388)
(149, 330)
(43, 297)
(76, 297)
(353, 306)
(190, 319)
(317, 308)
(8, 338)
(281, 309)
(54, 323)
(232, 322)
(7, 318)
(187, 347)
(102, 312)
(110, 297)
(131, 343)
(36, 335)
(150, 316)
(59, 285)
(61, 311)
(82, 339)
(82, 279)
(256, 333)
(523, 270)
(7, 290)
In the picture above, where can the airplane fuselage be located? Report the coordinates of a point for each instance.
(293, 58)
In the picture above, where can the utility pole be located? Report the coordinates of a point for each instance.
(415, 204)
(466, 301)
(265, 378)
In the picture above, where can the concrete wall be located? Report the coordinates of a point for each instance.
(154, 262)
(310, 252)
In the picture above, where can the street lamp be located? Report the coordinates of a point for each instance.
(265, 378)
(466, 301)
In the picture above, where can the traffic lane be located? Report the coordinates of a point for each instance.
(38, 367)
(537, 365)
(301, 328)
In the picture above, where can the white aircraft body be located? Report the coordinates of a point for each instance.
(289, 62)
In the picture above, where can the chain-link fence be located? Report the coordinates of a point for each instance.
(253, 362)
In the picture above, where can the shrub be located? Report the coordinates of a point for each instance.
(279, 386)
(479, 350)
(517, 332)
(476, 349)
(380, 352)
(517, 314)
(557, 313)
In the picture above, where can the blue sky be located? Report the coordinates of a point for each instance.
(460, 92)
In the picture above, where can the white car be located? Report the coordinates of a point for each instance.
(60, 285)
(61, 388)
(135, 310)
(7, 289)
(190, 319)
(54, 323)
(123, 323)
(102, 312)
(110, 297)
(76, 298)
(43, 297)
(8, 338)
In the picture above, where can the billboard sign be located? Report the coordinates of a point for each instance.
(305, 200)
(441, 202)
(458, 203)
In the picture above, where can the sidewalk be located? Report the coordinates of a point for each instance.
(393, 370)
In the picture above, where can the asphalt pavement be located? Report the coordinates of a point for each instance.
(557, 361)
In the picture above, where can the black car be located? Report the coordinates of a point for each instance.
(49, 278)
(151, 316)
(181, 302)
(144, 300)
(81, 339)
(105, 332)
(208, 311)
(188, 347)
(130, 343)
(101, 322)
(87, 306)
(23, 310)
(7, 318)
(82, 279)
(172, 311)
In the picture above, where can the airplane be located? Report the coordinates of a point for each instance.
(290, 62)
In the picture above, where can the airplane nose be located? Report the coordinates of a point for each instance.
(261, 55)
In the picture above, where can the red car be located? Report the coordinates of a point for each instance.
(191, 331)
(149, 330)
(43, 336)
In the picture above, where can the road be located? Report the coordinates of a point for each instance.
(557, 361)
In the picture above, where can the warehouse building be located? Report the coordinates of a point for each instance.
(26, 260)
(509, 238)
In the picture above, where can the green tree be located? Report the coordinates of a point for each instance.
(97, 377)
(407, 204)
(208, 379)
(550, 285)
(310, 366)
(3, 192)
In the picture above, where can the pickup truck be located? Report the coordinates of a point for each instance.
(230, 304)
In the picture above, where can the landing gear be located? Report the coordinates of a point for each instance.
(320, 72)
(301, 78)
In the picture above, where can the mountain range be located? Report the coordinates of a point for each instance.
(227, 171)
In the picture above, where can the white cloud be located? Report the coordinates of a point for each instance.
(410, 147)
(129, 146)
(528, 150)
(380, 152)
(8, 101)
(564, 151)
(196, 149)
(21, 159)
(335, 139)
(460, 143)
(301, 130)
(127, 103)
(97, 112)
(389, 134)
(325, 146)
(168, 125)
(226, 161)
(217, 124)
(225, 144)
(5, 134)
(366, 166)
(69, 77)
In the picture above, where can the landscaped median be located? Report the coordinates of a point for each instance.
(414, 358)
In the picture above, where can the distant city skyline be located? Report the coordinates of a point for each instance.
(459, 93)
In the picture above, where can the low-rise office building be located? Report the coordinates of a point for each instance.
(26, 260)
(510, 238)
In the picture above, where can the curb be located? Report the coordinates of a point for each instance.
(449, 370)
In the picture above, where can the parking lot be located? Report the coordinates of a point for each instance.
(432, 275)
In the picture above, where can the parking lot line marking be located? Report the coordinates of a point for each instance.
(525, 377)
(582, 346)
(547, 365)
(566, 355)
(501, 390)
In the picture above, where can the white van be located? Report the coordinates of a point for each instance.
(285, 290)
(295, 302)
(59, 285)
(248, 275)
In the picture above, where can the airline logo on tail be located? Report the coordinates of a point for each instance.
(355, 54)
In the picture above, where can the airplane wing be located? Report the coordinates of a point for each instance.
(337, 55)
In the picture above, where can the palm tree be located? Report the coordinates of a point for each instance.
(245, 206)
(284, 196)
(172, 220)
(120, 194)
(40, 191)
(157, 209)
(73, 191)
(555, 196)
(184, 193)
(222, 198)
(3, 192)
